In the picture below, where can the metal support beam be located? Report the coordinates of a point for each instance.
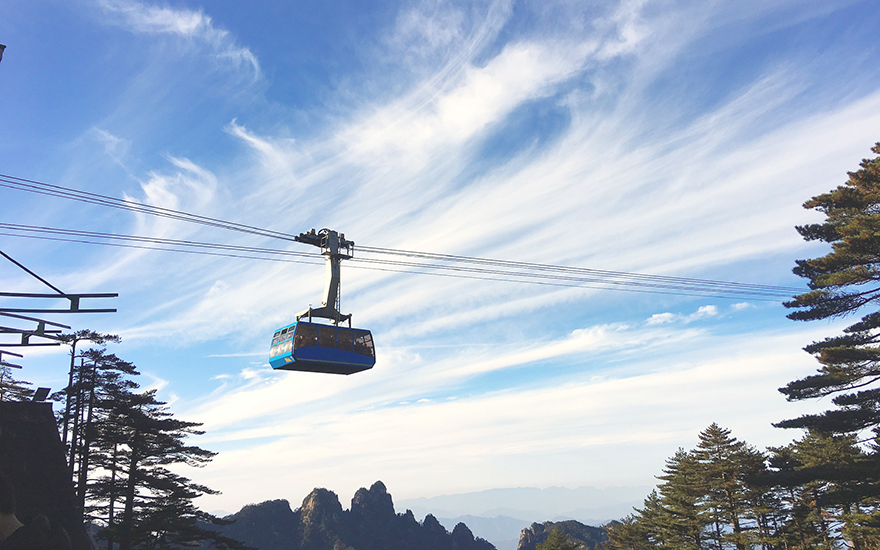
(6, 363)
(335, 248)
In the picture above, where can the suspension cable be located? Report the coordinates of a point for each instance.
(452, 265)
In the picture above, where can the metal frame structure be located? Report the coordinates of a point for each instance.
(335, 248)
(6, 363)
(46, 336)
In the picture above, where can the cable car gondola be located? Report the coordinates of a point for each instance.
(317, 347)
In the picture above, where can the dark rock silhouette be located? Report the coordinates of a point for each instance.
(586, 536)
(372, 519)
(462, 536)
(321, 524)
(267, 526)
(32, 457)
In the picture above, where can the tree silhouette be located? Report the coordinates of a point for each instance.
(122, 445)
(102, 383)
(557, 541)
(12, 389)
(842, 282)
(724, 469)
(146, 504)
(714, 497)
(72, 340)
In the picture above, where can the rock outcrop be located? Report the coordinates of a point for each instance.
(585, 536)
(267, 526)
(322, 524)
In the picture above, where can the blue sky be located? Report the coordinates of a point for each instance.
(667, 137)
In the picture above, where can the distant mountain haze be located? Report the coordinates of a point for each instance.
(500, 515)
(502, 531)
(585, 504)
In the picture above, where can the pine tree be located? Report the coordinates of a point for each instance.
(102, 382)
(725, 467)
(678, 521)
(836, 500)
(652, 520)
(795, 505)
(121, 446)
(715, 497)
(557, 541)
(71, 404)
(670, 517)
(12, 389)
(842, 282)
(627, 534)
(150, 506)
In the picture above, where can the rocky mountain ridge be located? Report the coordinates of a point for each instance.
(322, 524)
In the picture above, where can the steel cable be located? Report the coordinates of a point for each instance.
(522, 271)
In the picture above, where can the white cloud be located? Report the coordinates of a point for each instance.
(187, 187)
(148, 19)
(427, 27)
(600, 184)
(433, 39)
(251, 374)
(115, 147)
(402, 377)
(661, 318)
(703, 312)
(440, 115)
(156, 382)
(391, 175)
(628, 30)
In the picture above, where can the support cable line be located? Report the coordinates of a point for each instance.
(582, 270)
(571, 277)
(452, 265)
(706, 294)
(31, 186)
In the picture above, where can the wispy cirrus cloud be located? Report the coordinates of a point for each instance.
(428, 27)
(453, 115)
(145, 18)
(184, 186)
(675, 204)
(115, 147)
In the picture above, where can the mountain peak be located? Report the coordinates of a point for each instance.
(321, 503)
(372, 503)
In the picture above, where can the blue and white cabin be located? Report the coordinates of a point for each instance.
(314, 347)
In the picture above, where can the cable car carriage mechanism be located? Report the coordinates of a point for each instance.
(320, 347)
